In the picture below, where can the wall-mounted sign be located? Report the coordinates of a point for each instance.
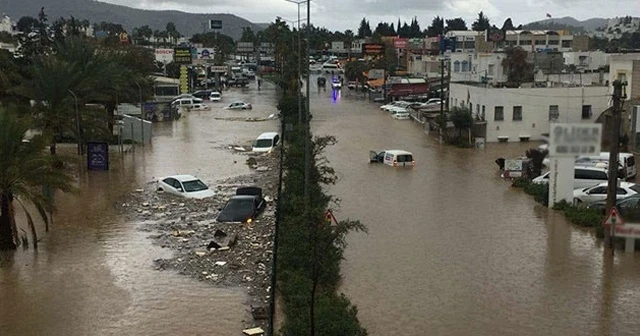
(573, 140)
(206, 53)
(182, 55)
(372, 48)
(400, 43)
(245, 47)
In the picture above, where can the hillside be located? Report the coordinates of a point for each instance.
(567, 21)
(186, 23)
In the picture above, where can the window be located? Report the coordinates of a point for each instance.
(517, 113)
(554, 113)
(456, 66)
(554, 42)
(598, 191)
(482, 115)
(465, 66)
(588, 174)
(498, 113)
(541, 42)
(566, 44)
(525, 42)
(621, 191)
(586, 111)
(622, 77)
(477, 108)
(490, 69)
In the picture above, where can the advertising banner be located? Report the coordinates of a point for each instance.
(206, 53)
(245, 47)
(164, 55)
(97, 156)
(571, 140)
(182, 55)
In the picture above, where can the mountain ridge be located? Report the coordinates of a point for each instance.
(187, 24)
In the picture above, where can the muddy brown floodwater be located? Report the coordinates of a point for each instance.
(94, 272)
(454, 250)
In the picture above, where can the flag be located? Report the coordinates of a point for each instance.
(548, 15)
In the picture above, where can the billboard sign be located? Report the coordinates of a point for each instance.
(400, 43)
(219, 68)
(182, 55)
(571, 140)
(372, 48)
(164, 55)
(215, 24)
(205, 53)
(98, 156)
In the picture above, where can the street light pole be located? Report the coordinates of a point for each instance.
(141, 114)
(75, 98)
(298, 3)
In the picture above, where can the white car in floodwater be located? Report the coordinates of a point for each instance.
(184, 185)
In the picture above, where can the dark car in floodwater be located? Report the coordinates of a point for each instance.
(244, 207)
(322, 81)
(629, 208)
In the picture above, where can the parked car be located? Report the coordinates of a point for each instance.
(400, 114)
(401, 107)
(244, 207)
(390, 105)
(200, 107)
(433, 101)
(393, 157)
(186, 95)
(215, 96)
(599, 192)
(584, 176)
(184, 185)
(239, 105)
(351, 85)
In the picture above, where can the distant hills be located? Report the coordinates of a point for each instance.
(568, 22)
(186, 23)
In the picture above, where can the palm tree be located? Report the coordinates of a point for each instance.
(24, 169)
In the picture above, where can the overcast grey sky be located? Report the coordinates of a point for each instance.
(347, 14)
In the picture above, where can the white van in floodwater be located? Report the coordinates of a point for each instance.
(266, 142)
(393, 157)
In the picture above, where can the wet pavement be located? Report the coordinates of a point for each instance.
(94, 272)
(452, 249)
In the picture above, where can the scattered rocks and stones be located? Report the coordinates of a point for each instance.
(222, 254)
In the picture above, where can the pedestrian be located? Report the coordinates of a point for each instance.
(259, 83)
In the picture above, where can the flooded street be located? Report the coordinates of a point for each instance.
(452, 249)
(93, 272)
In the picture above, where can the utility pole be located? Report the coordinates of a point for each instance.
(307, 172)
(612, 185)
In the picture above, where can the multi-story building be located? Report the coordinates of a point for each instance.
(465, 40)
(586, 60)
(522, 114)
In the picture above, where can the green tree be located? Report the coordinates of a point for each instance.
(353, 71)
(248, 35)
(481, 23)
(456, 24)
(519, 70)
(364, 30)
(27, 24)
(172, 32)
(436, 28)
(461, 118)
(25, 170)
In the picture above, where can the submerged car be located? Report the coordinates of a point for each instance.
(184, 185)
(393, 157)
(200, 107)
(244, 207)
(215, 96)
(239, 105)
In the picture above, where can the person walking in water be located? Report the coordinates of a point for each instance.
(259, 83)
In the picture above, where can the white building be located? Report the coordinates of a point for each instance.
(626, 68)
(424, 66)
(478, 67)
(586, 60)
(6, 25)
(526, 113)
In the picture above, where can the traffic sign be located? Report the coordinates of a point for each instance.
(613, 218)
(330, 218)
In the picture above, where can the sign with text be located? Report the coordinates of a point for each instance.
(571, 140)
(245, 47)
(182, 55)
(98, 156)
(164, 55)
(400, 43)
(627, 230)
(215, 24)
(219, 68)
(372, 48)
